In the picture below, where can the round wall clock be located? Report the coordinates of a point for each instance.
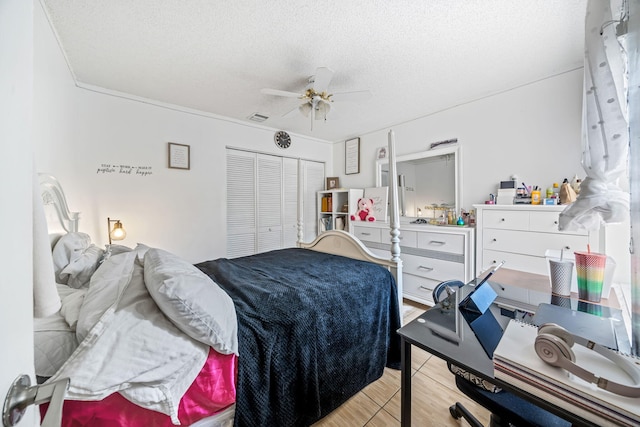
(282, 139)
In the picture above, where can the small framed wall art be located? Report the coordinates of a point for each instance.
(352, 156)
(179, 156)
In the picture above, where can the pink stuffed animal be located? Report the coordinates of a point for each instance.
(364, 212)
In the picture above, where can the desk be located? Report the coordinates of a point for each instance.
(444, 332)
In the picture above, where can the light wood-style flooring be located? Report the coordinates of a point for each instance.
(433, 391)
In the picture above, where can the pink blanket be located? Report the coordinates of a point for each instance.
(213, 390)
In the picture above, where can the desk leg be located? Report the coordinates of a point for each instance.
(405, 384)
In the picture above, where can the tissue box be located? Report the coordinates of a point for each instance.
(506, 196)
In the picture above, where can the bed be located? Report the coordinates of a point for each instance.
(278, 338)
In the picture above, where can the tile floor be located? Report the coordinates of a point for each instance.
(433, 391)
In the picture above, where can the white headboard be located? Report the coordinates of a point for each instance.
(54, 200)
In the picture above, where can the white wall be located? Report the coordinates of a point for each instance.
(532, 131)
(16, 294)
(77, 130)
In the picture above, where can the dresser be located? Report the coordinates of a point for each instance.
(521, 234)
(430, 254)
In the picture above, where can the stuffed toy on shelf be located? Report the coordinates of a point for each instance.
(364, 212)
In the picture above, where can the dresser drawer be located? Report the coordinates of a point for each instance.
(431, 268)
(408, 238)
(418, 287)
(529, 243)
(513, 261)
(441, 242)
(367, 234)
(548, 222)
(506, 220)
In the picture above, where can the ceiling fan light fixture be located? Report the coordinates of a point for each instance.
(305, 109)
(322, 109)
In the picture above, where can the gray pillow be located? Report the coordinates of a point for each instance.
(191, 300)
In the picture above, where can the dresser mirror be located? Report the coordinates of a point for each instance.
(429, 182)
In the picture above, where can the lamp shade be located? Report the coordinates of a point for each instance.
(118, 232)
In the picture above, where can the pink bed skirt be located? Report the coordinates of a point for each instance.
(213, 390)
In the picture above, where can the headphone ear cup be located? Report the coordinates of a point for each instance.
(557, 330)
(553, 349)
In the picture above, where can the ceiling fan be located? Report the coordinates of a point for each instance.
(317, 99)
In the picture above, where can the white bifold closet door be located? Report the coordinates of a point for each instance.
(313, 181)
(270, 201)
(241, 203)
(262, 201)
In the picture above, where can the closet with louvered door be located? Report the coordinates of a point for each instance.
(262, 201)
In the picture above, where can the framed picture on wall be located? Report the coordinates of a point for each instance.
(333, 182)
(179, 156)
(352, 156)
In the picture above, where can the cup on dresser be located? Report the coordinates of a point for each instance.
(560, 272)
(590, 268)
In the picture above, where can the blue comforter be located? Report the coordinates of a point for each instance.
(313, 330)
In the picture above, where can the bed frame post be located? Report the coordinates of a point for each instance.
(395, 219)
(300, 202)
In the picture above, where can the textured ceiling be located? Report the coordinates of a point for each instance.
(417, 57)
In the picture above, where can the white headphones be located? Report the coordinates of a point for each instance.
(553, 345)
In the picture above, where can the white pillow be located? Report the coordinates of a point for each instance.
(191, 300)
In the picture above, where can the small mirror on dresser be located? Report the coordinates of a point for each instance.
(429, 182)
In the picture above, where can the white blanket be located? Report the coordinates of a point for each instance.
(133, 348)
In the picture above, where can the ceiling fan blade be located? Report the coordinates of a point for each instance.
(291, 113)
(359, 95)
(322, 79)
(278, 92)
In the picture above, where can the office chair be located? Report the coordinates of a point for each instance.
(506, 408)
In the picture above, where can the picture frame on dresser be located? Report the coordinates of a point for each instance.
(380, 197)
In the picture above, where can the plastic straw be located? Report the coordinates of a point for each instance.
(561, 254)
(588, 248)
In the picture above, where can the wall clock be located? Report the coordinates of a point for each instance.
(282, 139)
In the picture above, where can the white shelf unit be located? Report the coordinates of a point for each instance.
(335, 206)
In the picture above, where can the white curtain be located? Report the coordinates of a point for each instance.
(605, 131)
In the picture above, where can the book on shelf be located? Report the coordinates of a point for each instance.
(516, 362)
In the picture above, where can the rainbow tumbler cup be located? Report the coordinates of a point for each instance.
(590, 268)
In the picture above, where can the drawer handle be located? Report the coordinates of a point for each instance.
(425, 288)
(494, 240)
(567, 247)
(366, 234)
(422, 267)
(555, 222)
(502, 219)
(436, 242)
